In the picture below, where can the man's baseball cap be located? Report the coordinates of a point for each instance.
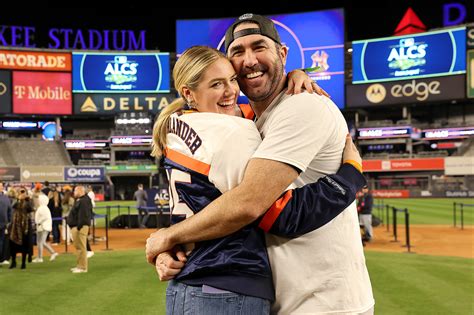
(266, 28)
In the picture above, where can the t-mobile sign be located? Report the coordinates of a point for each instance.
(42, 93)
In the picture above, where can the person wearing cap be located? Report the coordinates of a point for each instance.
(323, 271)
(205, 154)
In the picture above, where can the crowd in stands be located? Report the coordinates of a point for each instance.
(38, 215)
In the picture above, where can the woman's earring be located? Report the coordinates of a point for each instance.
(191, 103)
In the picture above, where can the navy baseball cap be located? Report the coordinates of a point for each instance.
(266, 28)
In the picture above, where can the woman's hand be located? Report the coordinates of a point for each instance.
(170, 263)
(298, 79)
(351, 152)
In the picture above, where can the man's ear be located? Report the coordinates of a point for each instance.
(283, 53)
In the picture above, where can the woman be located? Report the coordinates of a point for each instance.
(20, 229)
(43, 228)
(67, 203)
(205, 155)
(56, 209)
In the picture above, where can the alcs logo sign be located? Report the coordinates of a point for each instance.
(376, 93)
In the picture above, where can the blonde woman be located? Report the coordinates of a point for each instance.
(205, 155)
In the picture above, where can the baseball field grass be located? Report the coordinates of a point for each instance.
(431, 210)
(121, 282)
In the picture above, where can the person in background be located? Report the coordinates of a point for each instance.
(36, 192)
(79, 220)
(46, 188)
(366, 203)
(20, 228)
(67, 203)
(44, 225)
(5, 219)
(56, 209)
(91, 194)
(141, 197)
(12, 195)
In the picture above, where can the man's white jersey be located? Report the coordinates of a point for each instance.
(324, 271)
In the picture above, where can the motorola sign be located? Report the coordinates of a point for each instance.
(408, 91)
(84, 174)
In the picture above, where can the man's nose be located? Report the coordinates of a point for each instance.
(250, 59)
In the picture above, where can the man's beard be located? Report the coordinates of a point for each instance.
(262, 93)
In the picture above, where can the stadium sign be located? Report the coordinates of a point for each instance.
(429, 54)
(391, 193)
(121, 73)
(297, 32)
(84, 174)
(384, 132)
(470, 73)
(42, 93)
(5, 92)
(130, 140)
(459, 165)
(459, 193)
(428, 164)
(111, 104)
(9, 173)
(403, 92)
(448, 133)
(85, 144)
(35, 60)
(36, 173)
(67, 38)
(470, 37)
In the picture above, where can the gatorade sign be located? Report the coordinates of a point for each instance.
(84, 174)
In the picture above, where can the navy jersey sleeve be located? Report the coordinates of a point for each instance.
(305, 209)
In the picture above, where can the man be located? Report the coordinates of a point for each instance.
(141, 197)
(365, 216)
(5, 219)
(79, 220)
(303, 138)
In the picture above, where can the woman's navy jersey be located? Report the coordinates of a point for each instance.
(206, 156)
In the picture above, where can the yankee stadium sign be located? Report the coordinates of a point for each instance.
(66, 38)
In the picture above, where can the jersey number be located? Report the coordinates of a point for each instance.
(178, 207)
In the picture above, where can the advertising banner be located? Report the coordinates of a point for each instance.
(5, 92)
(470, 74)
(406, 92)
(429, 54)
(314, 39)
(459, 193)
(84, 174)
(459, 165)
(111, 104)
(118, 168)
(121, 72)
(384, 132)
(85, 144)
(401, 193)
(36, 173)
(42, 93)
(447, 133)
(428, 164)
(35, 60)
(130, 140)
(9, 173)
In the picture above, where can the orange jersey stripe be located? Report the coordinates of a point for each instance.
(355, 164)
(186, 161)
(272, 214)
(247, 111)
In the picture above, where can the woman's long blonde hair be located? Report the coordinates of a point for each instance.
(187, 72)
